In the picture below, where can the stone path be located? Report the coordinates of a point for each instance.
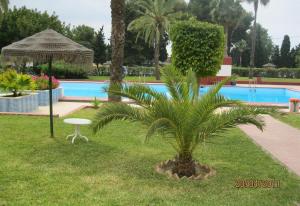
(280, 140)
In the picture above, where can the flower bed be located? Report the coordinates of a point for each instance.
(42, 85)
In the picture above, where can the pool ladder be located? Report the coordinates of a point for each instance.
(252, 88)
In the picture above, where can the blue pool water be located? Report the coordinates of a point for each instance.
(260, 95)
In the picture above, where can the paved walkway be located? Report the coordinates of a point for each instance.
(280, 140)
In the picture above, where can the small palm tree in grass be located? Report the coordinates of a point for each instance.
(183, 117)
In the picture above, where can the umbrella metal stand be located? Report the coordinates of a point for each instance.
(50, 96)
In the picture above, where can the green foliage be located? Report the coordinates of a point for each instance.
(293, 73)
(42, 82)
(96, 103)
(285, 57)
(228, 13)
(198, 46)
(297, 60)
(84, 35)
(201, 9)
(184, 119)
(136, 50)
(3, 7)
(62, 70)
(19, 23)
(276, 56)
(11, 81)
(154, 23)
(99, 47)
(264, 46)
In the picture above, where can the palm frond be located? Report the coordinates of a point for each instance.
(161, 125)
(142, 95)
(117, 111)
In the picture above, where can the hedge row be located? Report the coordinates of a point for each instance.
(131, 71)
(66, 71)
(293, 73)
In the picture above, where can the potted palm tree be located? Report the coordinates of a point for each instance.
(18, 96)
(183, 118)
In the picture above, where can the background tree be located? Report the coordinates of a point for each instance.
(137, 51)
(19, 23)
(264, 46)
(295, 52)
(276, 56)
(201, 9)
(117, 47)
(84, 35)
(240, 46)
(154, 22)
(285, 58)
(99, 47)
(253, 41)
(297, 59)
(3, 7)
(228, 13)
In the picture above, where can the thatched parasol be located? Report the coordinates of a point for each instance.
(48, 46)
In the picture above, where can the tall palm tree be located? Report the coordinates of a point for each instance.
(154, 22)
(3, 6)
(227, 13)
(240, 46)
(117, 44)
(252, 58)
(183, 118)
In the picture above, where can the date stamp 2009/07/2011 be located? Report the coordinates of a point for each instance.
(255, 183)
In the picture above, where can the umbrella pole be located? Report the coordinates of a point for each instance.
(50, 97)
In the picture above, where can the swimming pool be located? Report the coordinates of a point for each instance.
(258, 95)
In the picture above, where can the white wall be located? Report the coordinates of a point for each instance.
(226, 71)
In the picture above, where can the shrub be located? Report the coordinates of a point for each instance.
(96, 103)
(42, 82)
(198, 46)
(293, 73)
(11, 81)
(63, 70)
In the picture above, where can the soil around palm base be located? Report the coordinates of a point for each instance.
(202, 172)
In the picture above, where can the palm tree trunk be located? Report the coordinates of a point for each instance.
(156, 58)
(252, 58)
(117, 44)
(184, 165)
(241, 58)
(226, 30)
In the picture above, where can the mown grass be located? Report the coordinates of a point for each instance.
(127, 78)
(291, 119)
(117, 168)
(265, 79)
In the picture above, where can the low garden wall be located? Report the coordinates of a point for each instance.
(43, 96)
(22, 104)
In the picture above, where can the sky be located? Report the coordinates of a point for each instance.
(280, 17)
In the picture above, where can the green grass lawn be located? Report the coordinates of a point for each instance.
(273, 79)
(291, 119)
(117, 168)
(127, 78)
